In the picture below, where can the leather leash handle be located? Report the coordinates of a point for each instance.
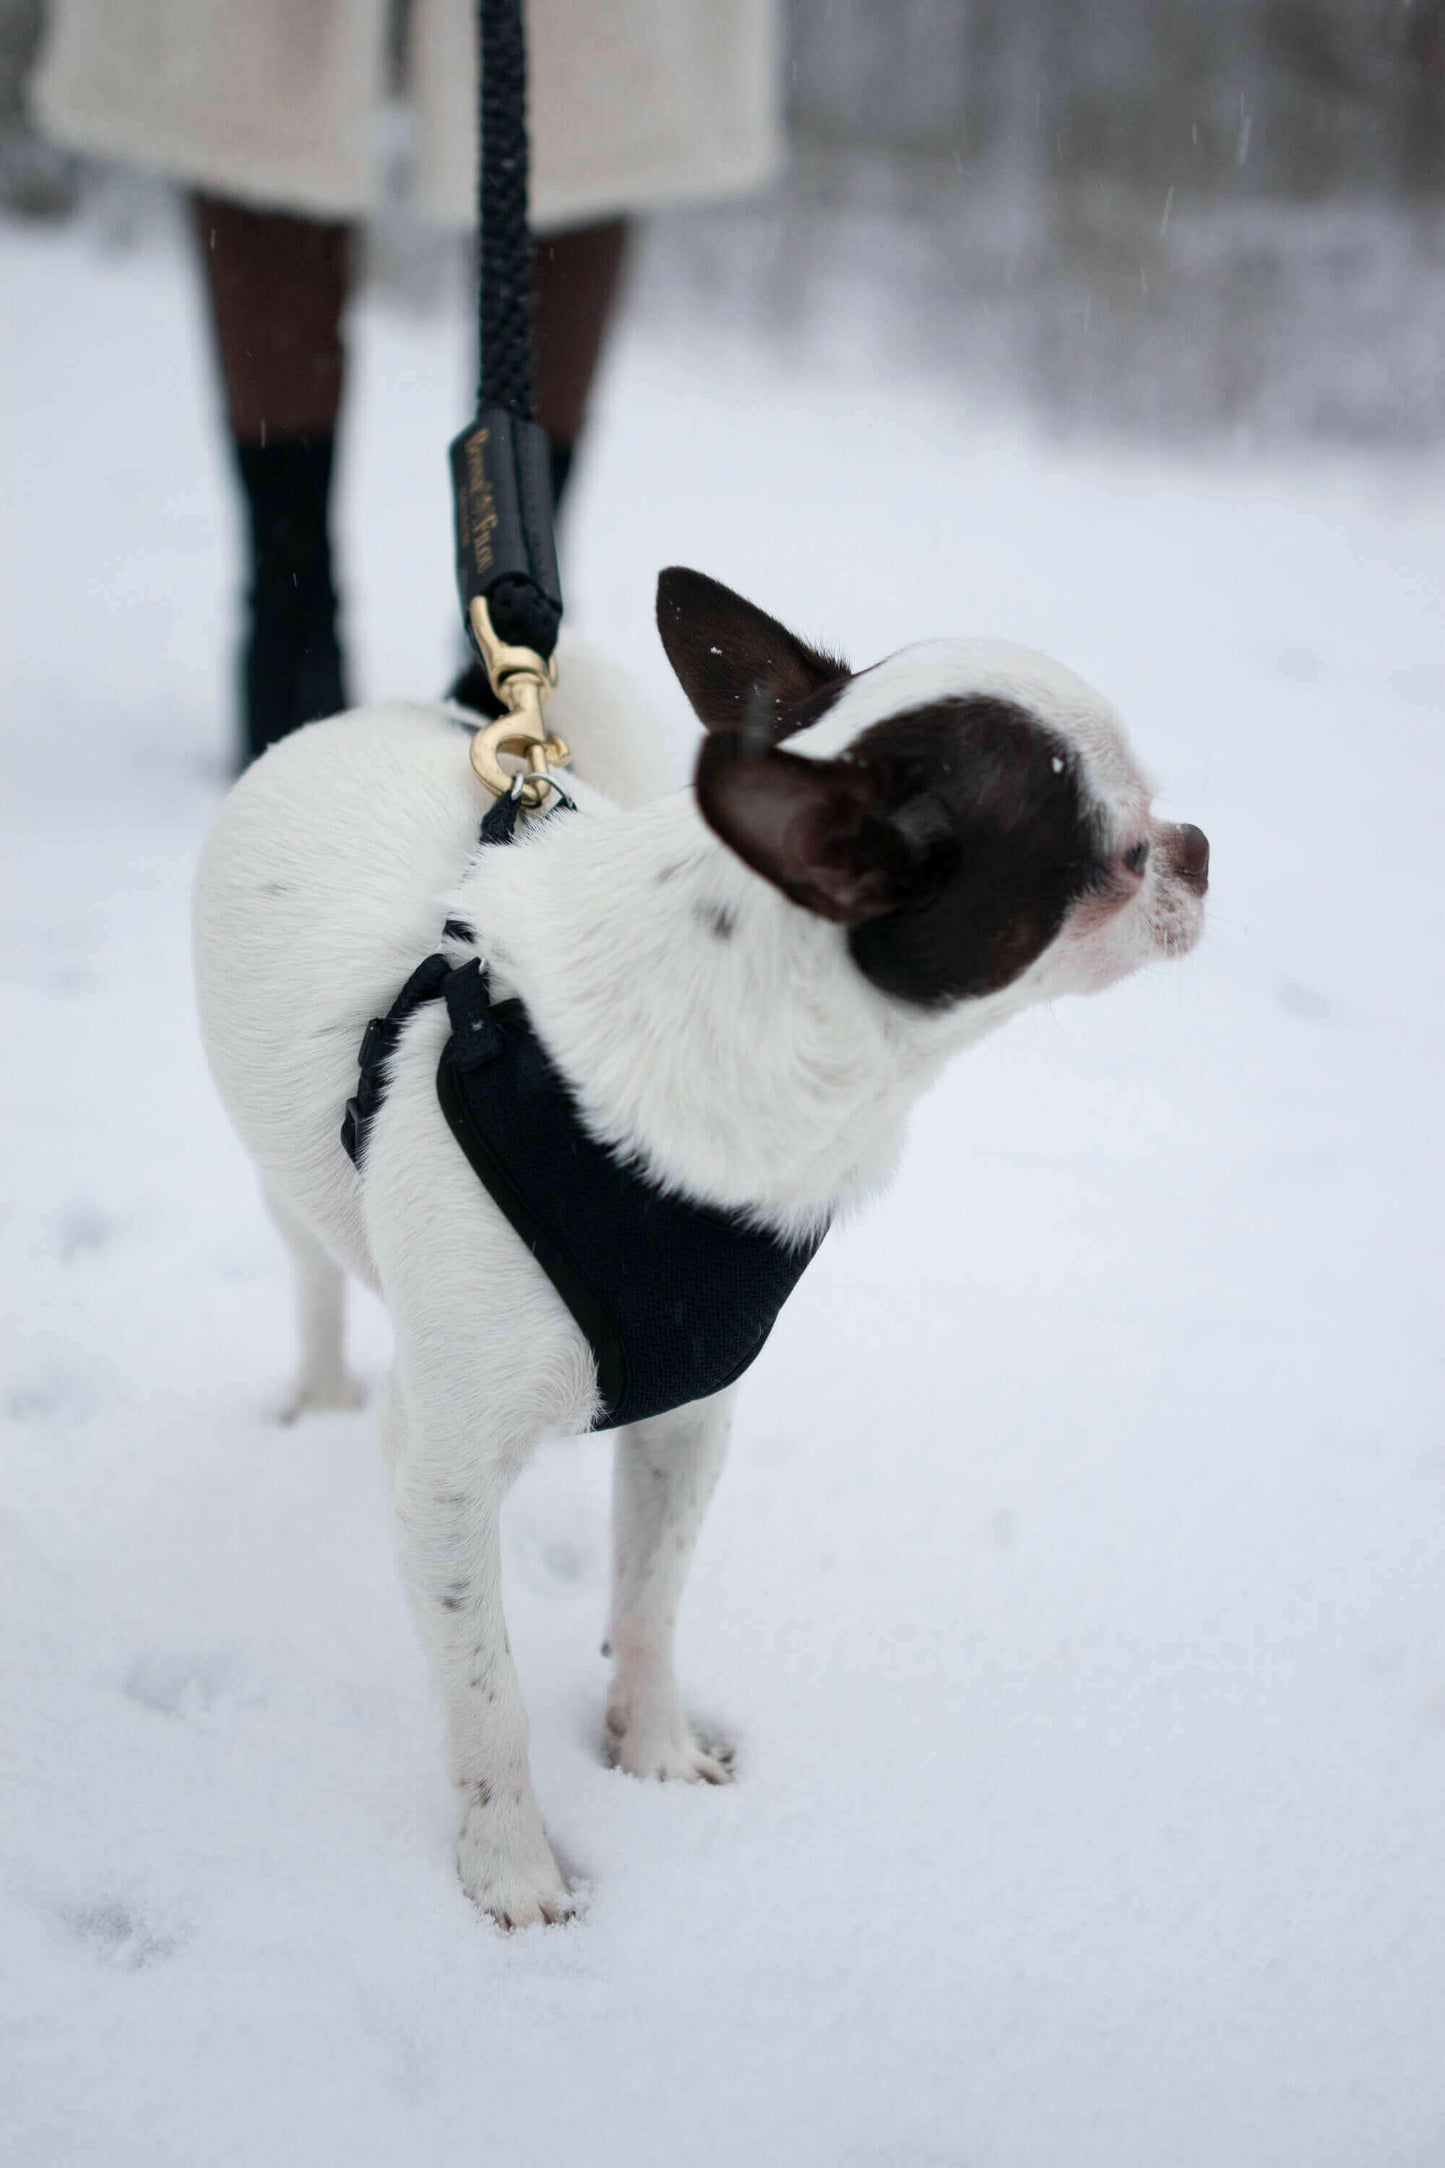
(506, 547)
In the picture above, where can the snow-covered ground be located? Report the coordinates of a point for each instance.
(1073, 1596)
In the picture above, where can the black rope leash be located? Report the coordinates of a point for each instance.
(506, 375)
(501, 471)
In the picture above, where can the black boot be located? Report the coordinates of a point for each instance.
(291, 670)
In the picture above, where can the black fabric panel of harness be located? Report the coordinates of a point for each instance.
(675, 1298)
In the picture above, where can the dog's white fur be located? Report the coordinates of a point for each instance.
(762, 1072)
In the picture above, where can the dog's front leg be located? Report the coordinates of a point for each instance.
(448, 1481)
(663, 1476)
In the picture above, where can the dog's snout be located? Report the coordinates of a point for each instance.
(1190, 856)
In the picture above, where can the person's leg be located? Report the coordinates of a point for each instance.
(277, 286)
(577, 279)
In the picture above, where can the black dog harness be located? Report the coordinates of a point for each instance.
(675, 1298)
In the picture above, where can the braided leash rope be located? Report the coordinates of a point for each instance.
(501, 471)
(505, 309)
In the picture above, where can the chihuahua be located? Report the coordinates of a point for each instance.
(743, 984)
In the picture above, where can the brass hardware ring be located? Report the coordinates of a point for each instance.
(523, 781)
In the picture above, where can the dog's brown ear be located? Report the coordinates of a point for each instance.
(815, 828)
(739, 667)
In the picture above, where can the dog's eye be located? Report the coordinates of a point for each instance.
(1137, 858)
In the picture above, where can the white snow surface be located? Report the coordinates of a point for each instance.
(1073, 1592)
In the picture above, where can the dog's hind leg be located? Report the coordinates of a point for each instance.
(322, 1378)
(664, 1472)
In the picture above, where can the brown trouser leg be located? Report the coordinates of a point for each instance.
(577, 278)
(277, 286)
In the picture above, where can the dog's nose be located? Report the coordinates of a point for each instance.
(1191, 856)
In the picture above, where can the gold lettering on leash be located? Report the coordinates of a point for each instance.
(481, 504)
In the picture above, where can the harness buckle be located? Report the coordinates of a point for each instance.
(521, 680)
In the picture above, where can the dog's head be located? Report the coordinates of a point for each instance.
(970, 811)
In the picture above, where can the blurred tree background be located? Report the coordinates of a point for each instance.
(1157, 218)
(1162, 217)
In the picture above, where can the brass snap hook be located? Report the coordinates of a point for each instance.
(516, 734)
(521, 681)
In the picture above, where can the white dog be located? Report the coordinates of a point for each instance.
(744, 984)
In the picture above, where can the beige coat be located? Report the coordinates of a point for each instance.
(633, 102)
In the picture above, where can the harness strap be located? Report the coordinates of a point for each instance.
(475, 1038)
(378, 1043)
(431, 979)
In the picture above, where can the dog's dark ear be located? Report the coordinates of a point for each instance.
(739, 667)
(816, 829)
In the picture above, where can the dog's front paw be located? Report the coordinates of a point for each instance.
(505, 1862)
(330, 1395)
(651, 1737)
